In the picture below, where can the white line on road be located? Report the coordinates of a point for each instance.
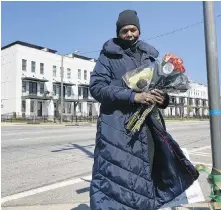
(199, 149)
(206, 164)
(22, 132)
(200, 154)
(44, 189)
(42, 137)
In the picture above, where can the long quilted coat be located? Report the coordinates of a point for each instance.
(121, 177)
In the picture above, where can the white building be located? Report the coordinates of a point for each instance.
(31, 82)
(31, 85)
(192, 103)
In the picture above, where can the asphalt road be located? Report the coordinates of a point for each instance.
(52, 164)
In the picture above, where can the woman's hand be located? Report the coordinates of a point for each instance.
(159, 96)
(145, 98)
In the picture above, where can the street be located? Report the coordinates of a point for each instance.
(52, 164)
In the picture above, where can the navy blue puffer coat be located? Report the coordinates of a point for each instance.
(121, 177)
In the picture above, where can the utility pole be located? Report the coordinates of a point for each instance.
(213, 82)
(62, 95)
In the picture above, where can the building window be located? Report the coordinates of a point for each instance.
(190, 101)
(55, 89)
(79, 74)
(79, 107)
(182, 101)
(33, 66)
(173, 100)
(69, 108)
(23, 86)
(32, 87)
(54, 71)
(85, 74)
(68, 73)
(79, 91)
(32, 104)
(69, 91)
(85, 92)
(60, 71)
(24, 65)
(42, 88)
(23, 106)
(41, 68)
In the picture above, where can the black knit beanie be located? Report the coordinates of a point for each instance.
(127, 17)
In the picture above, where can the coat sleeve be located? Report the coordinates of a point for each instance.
(104, 89)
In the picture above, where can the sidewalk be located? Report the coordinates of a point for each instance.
(196, 206)
(48, 124)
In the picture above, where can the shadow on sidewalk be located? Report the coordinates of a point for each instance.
(82, 207)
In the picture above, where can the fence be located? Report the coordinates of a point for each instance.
(13, 118)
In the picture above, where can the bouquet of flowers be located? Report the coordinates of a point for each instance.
(167, 76)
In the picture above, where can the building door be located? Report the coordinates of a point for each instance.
(39, 108)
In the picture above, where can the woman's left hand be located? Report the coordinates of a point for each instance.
(159, 96)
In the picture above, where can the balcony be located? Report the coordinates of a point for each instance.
(36, 95)
(34, 79)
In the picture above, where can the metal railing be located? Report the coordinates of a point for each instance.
(13, 118)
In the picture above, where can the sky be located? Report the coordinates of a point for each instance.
(85, 26)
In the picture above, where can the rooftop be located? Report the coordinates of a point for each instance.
(28, 45)
(73, 55)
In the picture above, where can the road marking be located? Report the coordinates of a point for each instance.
(200, 154)
(206, 164)
(4, 134)
(44, 189)
(40, 137)
(199, 149)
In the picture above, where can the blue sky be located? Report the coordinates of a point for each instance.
(85, 26)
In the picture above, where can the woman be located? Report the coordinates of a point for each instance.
(123, 177)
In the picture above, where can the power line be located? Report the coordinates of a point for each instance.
(165, 34)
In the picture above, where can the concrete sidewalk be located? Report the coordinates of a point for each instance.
(196, 206)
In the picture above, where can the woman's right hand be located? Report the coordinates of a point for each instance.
(144, 98)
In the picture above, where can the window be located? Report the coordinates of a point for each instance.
(41, 68)
(32, 104)
(79, 107)
(68, 73)
(55, 89)
(79, 74)
(42, 88)
(69, 108)
(85, 92)
(24, 65)
(32, 87)
(79, 91)
(23, 86)
(54, 71)
(23, 106)
(173, 100)
(182, 100)
(85, 74)
(190, 101)
(69, 91)
(60, 71)
(33, 66)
